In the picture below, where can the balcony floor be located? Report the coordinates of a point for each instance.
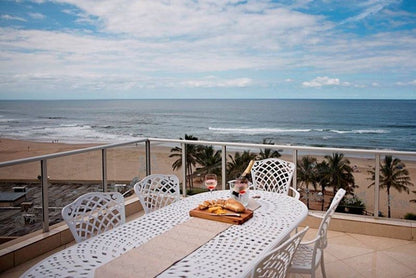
(347, 255)
(354, 255)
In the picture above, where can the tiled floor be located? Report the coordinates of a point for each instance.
(347, 255)
(355, 256)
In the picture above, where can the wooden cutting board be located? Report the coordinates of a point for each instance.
(226, 219)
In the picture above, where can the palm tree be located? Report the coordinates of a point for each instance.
(323, 178)
(306, 173)
(191, 154)
(413, 200)
(392, 175)
(339, 173)
(209, 160)
(268, 153)
(238, 163)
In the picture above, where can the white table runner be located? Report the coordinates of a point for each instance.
(156, 255)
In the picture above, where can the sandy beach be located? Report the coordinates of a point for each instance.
(126, 163)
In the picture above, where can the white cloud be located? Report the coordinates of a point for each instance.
(321, 81)
(36, 15)
(409, 83)
(153, 44)
(211, 82)
(11, 17)
(371, 7)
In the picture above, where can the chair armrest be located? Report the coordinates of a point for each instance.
(295, 192)
(310, 242)
(315, 215)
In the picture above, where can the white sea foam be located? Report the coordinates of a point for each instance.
(360, 131)
(69, 133)
(255, 130)
(288, 130)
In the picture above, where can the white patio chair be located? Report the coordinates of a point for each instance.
(94, 213)
(157, 191)
(311, 253)
(276, 262)
(275, 175)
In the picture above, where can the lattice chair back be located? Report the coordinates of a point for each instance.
(323, 227)
(272, 174)
(276, 262)
(157, 191)
(94, 213)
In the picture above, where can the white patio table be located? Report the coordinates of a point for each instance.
(229, 254)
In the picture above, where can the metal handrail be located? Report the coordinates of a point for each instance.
(286, 147)
(73, 152)
(44, 172)
(295, 150)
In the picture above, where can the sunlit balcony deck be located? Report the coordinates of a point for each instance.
(347, 255)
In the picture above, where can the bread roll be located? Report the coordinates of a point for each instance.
(234, 205)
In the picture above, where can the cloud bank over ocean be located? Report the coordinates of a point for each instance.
(185, 49)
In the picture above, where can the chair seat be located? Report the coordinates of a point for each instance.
(303, 258)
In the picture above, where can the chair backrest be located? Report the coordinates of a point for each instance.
(157, 191)
(276, 262)
(323, 227)
(94, 213)
(272, 174)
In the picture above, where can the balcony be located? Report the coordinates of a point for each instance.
(359, 245)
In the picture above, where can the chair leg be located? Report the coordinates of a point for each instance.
(323, 265)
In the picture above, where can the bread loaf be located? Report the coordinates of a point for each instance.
(234, 205)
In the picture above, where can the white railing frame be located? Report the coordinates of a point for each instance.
(295, 150)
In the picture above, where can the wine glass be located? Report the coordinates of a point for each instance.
(210, 181)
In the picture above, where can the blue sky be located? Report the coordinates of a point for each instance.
(85, 49)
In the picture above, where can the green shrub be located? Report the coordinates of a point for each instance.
(410, 216)
(195, 190)
(351, 205)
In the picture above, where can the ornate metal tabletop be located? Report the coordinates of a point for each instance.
(229, 254)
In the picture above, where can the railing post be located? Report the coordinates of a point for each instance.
(184, 169)
(104, 169)
(224, 166)
(148, 163)
(45, 198)
(295, 160)
(377, 186)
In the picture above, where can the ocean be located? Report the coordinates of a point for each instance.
(368, 124)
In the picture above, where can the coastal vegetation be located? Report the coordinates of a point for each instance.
(314, 178)
(307, 174)
(191, 154)
(334, 171)
(202, 159)
(393, 175)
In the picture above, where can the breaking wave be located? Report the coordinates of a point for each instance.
(280, 130)
(256, 130)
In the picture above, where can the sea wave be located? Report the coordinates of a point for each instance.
(256, 130)
(288, 130)
(70, 133)
(360, 131)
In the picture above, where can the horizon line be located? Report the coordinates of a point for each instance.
(107, 99)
